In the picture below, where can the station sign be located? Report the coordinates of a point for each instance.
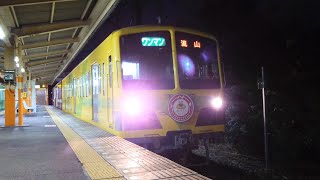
(9, 76)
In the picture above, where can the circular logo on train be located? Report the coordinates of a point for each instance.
(181, 107)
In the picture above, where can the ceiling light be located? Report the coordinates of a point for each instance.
(2, 34)
(16, 59)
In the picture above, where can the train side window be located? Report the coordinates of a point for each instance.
(79, 87)
(103, 79)
(110, 71)
(88, 83)
(99, 80)
(70, 89)
(85, 85)
(74, 87)
(96, 77)
(82, 87)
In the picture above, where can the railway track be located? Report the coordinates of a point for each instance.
(228, 157)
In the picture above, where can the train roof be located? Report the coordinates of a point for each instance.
(144, 28)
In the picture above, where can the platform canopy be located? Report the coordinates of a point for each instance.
(52, 32)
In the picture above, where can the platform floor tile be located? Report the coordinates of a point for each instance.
(94, 164)
(133, 162)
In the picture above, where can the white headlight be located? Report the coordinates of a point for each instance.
(216, 102)
(132, 106)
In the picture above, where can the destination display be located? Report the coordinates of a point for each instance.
(153, 41)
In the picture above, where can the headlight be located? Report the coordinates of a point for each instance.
(132, 106)
(216, 102)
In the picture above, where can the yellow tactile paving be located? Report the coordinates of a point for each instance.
(94, 164)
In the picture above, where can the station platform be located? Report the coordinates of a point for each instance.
(57, 145)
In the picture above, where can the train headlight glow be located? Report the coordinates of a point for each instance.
(132, 106)
(216, 102)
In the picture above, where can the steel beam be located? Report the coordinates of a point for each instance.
(27, 2)
(45, 65)
(42, 71)
(48, 68)
(45, 73)
(25, 31)
(45, 54)
(34, 63)
(14, 16)
(43, 76)
(48, 76)
(52, 11)
(50, 43)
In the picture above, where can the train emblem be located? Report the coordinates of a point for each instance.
(181, 107)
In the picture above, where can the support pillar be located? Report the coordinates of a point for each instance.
(19, 81)
(29, 99)
(10, 109)
(10, 104)
(20, 99)
(33, 95)
(24, 92)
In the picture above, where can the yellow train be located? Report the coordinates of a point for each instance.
(159, 86)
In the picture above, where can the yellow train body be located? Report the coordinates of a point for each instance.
(94, 91)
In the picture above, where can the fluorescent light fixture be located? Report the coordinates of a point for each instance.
(2, 34)
(17, 64)
(37, 86)
(16, 59)
(22, 70)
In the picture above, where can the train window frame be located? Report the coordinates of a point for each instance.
(198, 76)
(144, 77)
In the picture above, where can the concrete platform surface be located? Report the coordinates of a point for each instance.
(38, 151)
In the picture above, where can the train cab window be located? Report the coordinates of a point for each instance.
(197, 62)
(146, 60)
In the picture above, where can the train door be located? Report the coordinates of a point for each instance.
(95, 92)
(74, 95)
(110, 92)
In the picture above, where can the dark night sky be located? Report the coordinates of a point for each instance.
(277, 34)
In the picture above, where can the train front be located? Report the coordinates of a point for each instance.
(171, 88)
